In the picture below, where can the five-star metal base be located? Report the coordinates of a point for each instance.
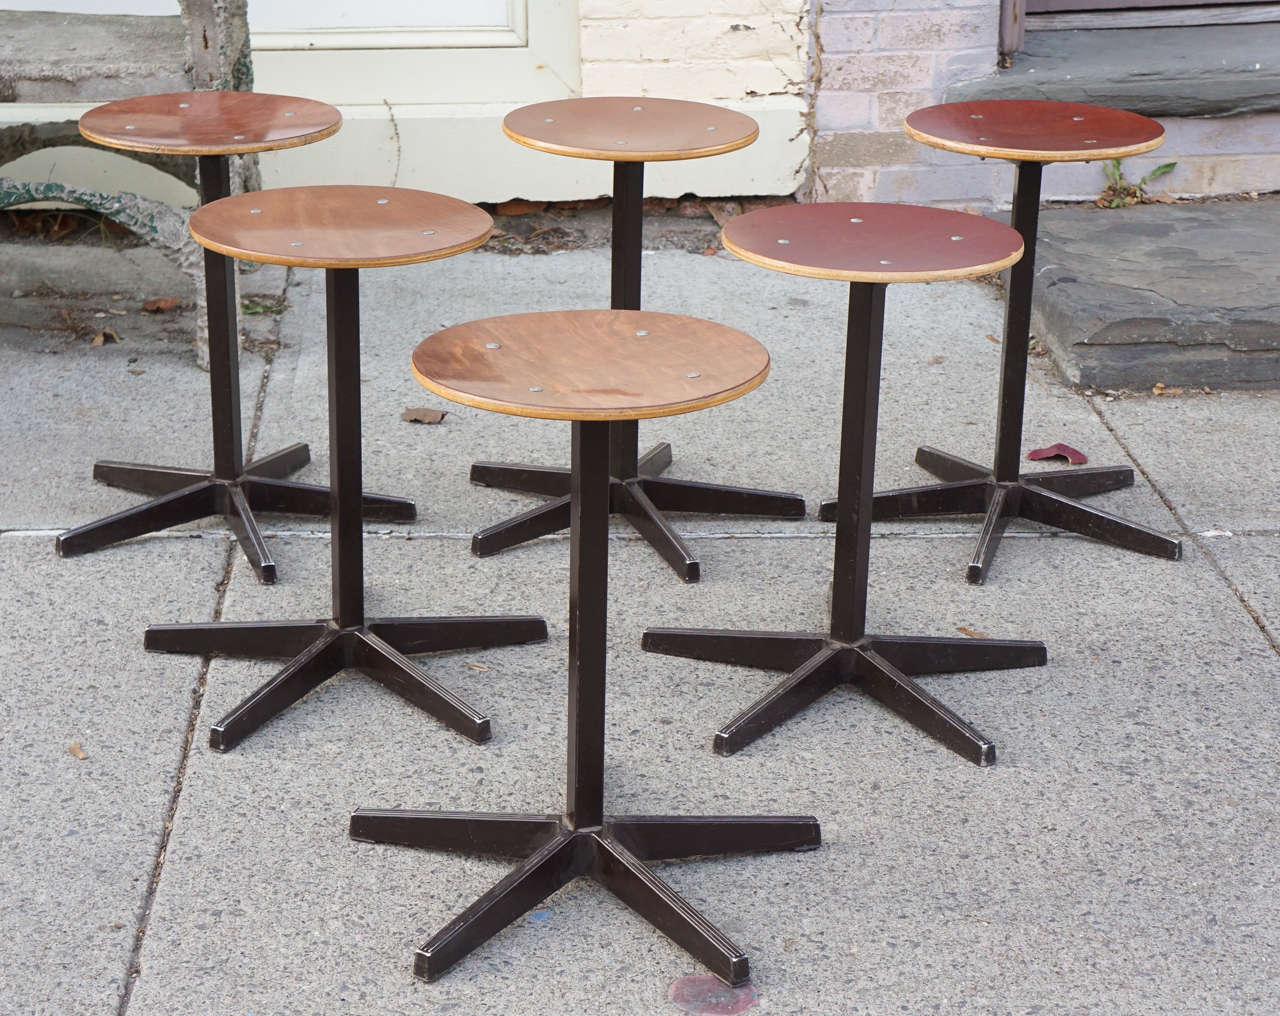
(184, 495)
(1002, 492)
(612, 850)
(637, 491)
(641, 499)
(1048, 498)
(881, 666)
(317, 650)
(614, 854)
(233, 488)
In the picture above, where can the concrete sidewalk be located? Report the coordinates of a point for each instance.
(1123, 855)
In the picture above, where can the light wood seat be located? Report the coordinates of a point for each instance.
(340, 226)
(630, 129)
(868, 242)
(1035, 130)
(210, 123)
(591, 364)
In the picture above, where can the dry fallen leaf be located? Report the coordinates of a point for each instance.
(1160, 389)
(971, 633)
(161, 304)
(1073, 455)
(104, 337)
(992, 338)
(423, 415)
(708, 252)
(936, 359)
(77, 751)
(477, 666)
(135, 371)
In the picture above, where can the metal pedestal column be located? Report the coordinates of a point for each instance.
(319, 649)
(637, 491)
(233, 489)
(881, 666)
(556, 849)
(1001, 493)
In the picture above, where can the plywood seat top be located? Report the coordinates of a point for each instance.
(591, 364)
(867, 242)
(340, 227)
(622, 129)
(1034, 130)
(210, 123)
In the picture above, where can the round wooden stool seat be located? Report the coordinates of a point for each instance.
(1033, 130)
(621, 129)
(867, 242)
(591, 364)
(210, 123)
(340, 227)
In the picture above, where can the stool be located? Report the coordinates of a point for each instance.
(593, 367)
(868, 245)
(343, 229)
(1028, 133)
(628, 132)
(213, 126)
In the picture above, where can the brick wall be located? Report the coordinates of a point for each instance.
(694, 49)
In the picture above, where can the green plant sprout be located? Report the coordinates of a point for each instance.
(1120, 193)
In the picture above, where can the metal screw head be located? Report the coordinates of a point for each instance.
(694, 373)
(295, 243)
(255, 211)
(641, 334)
(957, 238)
(975, 116)
(1077, 118)
(290, 112)
(1091, 141)
(383, 201)
(711, 128)
(535, 388)
(184, 105)
(619, 142)
(428, 232)
(984, 139)
(238, 137)
(636, 109)
(492, 345)
(130, 127)
(886, 262)
(784, 241)
(549, 119)
(855, 220)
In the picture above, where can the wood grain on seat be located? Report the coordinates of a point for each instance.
(1034, 130)
(210, 123)
(340, 227)
(622, 129)
(865, 242)
(591, 364)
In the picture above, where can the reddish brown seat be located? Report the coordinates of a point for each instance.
(1030, 133)
(212, 126)
(343, 229)
(628, 131)
(869, 246)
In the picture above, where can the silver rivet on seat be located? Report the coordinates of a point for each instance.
(636, 109)
(238, 137)
(1077, 118)
(492, 345)
(642, 334)
(855, 220)
(694, 373)
(255, 211)
(886, 262)
(295, 243)
(535, 388)
(383, 201)
(784, 241)
(957, 238)
(130, 127)
(184, 105)
(550, 119)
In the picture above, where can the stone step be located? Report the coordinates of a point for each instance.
(1184, 294)
(56, 57)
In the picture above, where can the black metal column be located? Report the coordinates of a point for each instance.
(627, 247)
(1017, 324)
(588, 623)
(857, 460)
(342, 292)
(224, 340)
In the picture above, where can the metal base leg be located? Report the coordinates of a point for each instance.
(641, 498)
(878, 665)
(613, 854)
(317, 650)
(1048, 498)
(185, 495)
